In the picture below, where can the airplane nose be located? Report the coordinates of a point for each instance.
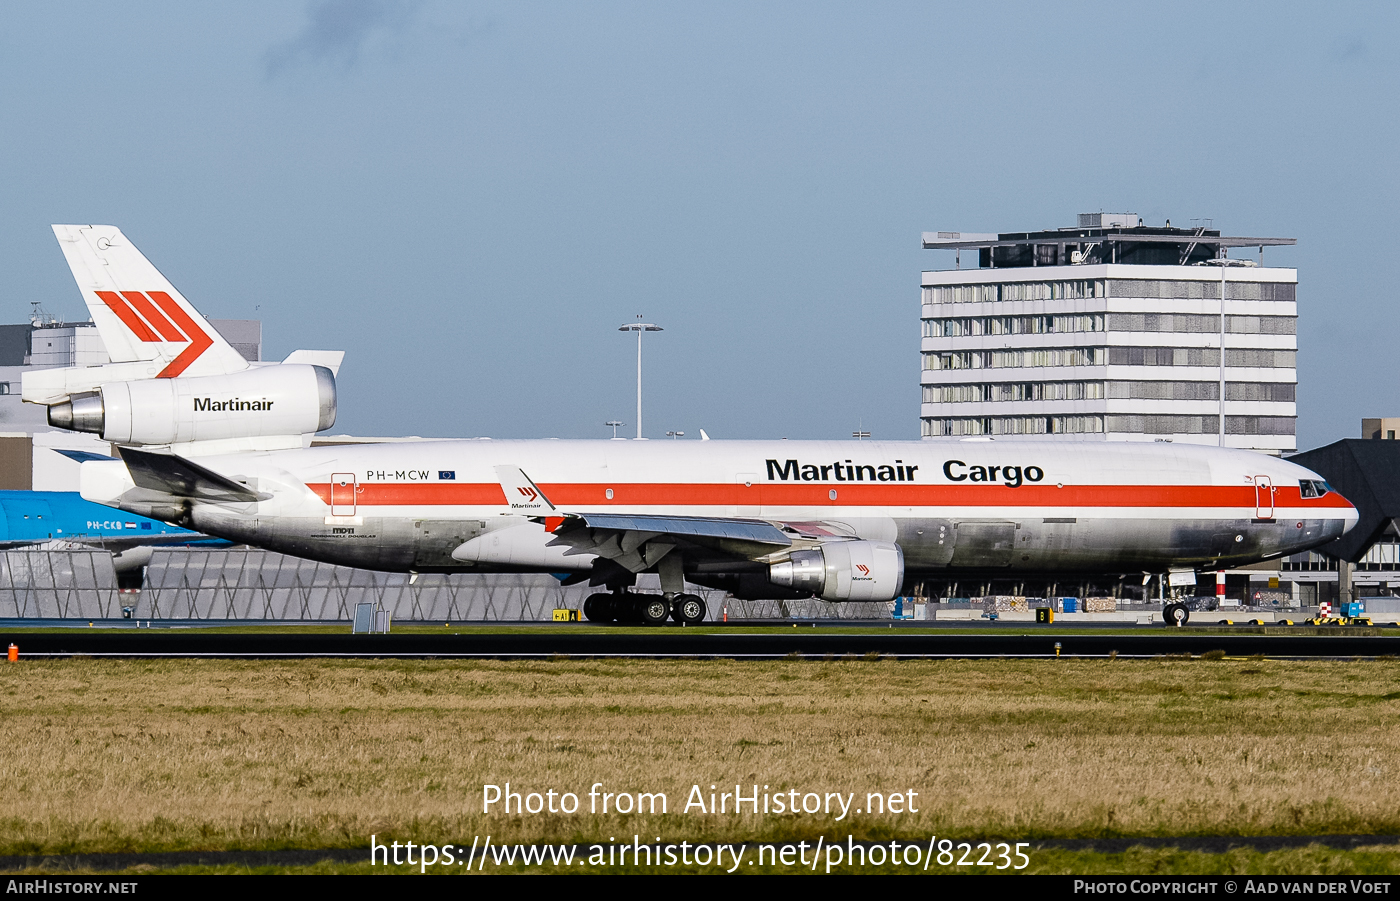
(1349, 518)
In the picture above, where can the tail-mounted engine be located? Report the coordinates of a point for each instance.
(287, 399)
(844, 571)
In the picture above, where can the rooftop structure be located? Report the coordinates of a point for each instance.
(1099, 238)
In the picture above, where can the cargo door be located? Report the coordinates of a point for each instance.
(984, 544)
(1263, 497)
(343, 494)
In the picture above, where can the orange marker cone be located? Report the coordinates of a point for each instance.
(14, 652)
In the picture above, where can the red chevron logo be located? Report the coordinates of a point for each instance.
(864, 570)
(142, 313)
(530, 493)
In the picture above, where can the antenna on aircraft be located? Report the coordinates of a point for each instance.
(614, 423)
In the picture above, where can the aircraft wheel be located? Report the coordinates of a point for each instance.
(595, 608)
(655, 610)
(1176, 614)
(690, 609)
(627, 608)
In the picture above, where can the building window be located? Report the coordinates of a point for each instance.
(1262, 325)
(1243, 357)
(1015, 359)
(1260, 291)
(1012, 391)
(1260, 425)
(1066, 290)
(1164, 390)
(1012, 425)
(1012, 325)
(1272, 392)
(1164, 356)
(1167, 289)
(1163, 322)
(1163, 424)
(1202, 323)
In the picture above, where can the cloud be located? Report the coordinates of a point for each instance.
(341, 32)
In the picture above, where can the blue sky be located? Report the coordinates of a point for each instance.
(470, 198)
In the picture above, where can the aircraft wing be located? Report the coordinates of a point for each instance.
(637, 541)
(754, 531)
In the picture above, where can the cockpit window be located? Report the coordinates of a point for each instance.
(1313, 488)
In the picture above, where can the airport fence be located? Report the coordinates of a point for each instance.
(249, 584)
(40, 584)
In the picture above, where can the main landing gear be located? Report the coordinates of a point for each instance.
(644, 609)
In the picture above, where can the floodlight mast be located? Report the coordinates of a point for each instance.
(639, 327)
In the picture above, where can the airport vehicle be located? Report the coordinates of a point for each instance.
(845, 521)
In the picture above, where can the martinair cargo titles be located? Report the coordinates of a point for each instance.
(762, 519)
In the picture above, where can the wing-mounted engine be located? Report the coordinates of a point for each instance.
(843, 570)
(289, 399)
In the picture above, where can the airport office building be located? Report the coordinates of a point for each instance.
(1110, 330)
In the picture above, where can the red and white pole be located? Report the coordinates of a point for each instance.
(1219, 586)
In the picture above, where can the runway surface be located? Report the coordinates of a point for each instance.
(737, 642)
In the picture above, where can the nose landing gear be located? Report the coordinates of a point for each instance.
(1176, 614)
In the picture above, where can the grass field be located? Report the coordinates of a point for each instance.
(132, 756)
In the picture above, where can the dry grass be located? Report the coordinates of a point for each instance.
(128, 755)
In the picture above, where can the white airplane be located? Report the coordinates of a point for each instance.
(762, 519)
(173, 380)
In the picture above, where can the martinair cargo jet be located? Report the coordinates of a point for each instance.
(844, 521)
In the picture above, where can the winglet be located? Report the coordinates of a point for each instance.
(523, 495)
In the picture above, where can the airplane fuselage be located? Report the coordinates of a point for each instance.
(33, 517)
(950, 505)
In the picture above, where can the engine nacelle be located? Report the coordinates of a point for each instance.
(844, 571)
(286, 399)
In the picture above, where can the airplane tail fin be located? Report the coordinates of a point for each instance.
(138, 312)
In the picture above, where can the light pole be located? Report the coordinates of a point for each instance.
(639, 327)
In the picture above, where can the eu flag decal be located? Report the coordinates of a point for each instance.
(447, 475)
